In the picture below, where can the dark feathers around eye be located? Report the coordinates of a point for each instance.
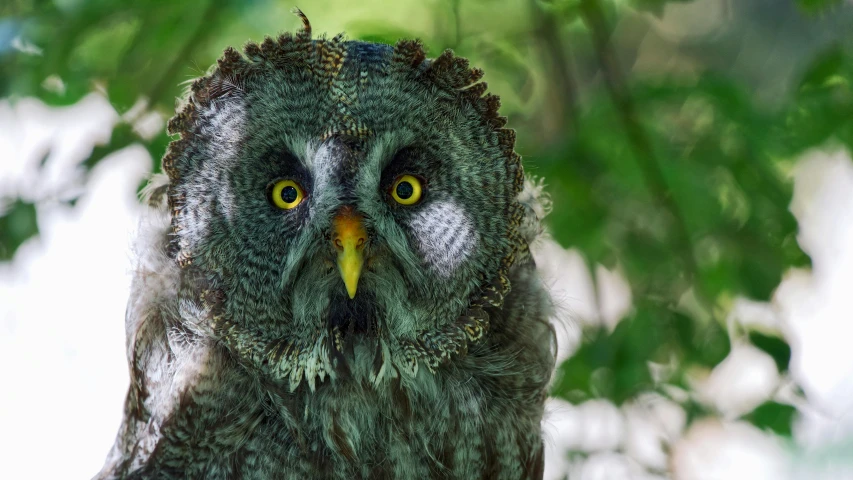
(412, 161)
(284, 165)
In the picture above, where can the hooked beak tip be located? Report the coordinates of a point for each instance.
(349, 239)
(349, 263)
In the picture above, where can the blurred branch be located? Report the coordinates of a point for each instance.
(814, 6)
(653, 177)
(457, 23)
(203, 30)
(547, 30)
(123, 136)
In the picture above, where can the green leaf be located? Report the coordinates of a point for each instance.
(822, 104)
(122, 136)
(612, 365)
(17, 225)
(773, 416)
(817, 5)
(700, 344)
(378, 32)
(773, 346)
(16, 7)
(715, 152)
(824, 67)
(695, 410)
(655, 6)
(101, 49)
(615, 365)
(566, 10)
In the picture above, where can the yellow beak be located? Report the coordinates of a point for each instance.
(349, 238)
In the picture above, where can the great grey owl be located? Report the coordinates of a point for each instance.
(335, 279)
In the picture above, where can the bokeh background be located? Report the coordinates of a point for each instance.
(700, 247)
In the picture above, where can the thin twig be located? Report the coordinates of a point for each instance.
(165, 80)
(652, 174)
(559, 56)
(457, 23)
(203, 29)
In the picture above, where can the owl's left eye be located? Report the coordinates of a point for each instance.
(286, 194)
(406, 190)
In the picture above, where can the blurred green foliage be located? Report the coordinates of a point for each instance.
(667, 155)
(17, 225)
(773, 416)
(817, 5)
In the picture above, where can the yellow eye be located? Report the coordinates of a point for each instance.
(406, 190)
(286, 194)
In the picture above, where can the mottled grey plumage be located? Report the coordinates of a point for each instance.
(247, 357)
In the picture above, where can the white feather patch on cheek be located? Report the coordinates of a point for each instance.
(445, 236)
(224, 125)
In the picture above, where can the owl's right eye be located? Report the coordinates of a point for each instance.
(286, 194)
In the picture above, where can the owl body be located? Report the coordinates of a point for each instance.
(334, 279)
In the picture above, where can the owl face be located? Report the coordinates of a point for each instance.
(330, 184)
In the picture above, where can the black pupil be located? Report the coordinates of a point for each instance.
(289, 194)
(405, 190)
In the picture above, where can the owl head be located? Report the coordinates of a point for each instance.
(327, 192)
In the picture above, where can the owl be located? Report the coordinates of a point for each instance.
(334, 276)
